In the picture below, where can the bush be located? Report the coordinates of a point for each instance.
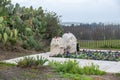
(73, 68)
(27, 25)
(93, 69)
(31, 62)
(40, 60)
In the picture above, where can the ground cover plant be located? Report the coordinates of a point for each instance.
(94, 55)
(73, 68)
(13, 72)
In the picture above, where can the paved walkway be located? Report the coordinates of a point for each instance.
(107, 66)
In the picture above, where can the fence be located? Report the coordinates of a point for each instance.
(96, 35)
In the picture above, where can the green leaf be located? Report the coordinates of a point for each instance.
(1, 19)
(15, 32)
(5, 36)
(0, 36)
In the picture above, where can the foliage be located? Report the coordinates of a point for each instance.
(72, 67)
(27, 25)
(30, 43)
(3, 7)
(30, 62)
(94, 55)
(93, 69)
(53, 20)
(7, 35)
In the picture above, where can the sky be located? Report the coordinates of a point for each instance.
(83, 11)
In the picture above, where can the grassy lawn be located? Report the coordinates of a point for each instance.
(100, 44)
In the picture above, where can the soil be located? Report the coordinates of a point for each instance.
(107, 76)
(16, 73)
(41, 73)
(18, 52)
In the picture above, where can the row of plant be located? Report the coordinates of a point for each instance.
(74, 68)
(26, 27)
(68, 69)
(71, 70)
(70, 66)
(94, 55)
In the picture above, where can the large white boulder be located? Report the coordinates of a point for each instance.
(57, 46)
(70, 42)
(65, 43)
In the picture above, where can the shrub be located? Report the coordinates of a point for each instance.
(40, 60)
(73, 68)
(26, 62)
(93, 69)
(30, 62)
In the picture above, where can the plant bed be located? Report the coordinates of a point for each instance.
(12, 72)
(93, 55)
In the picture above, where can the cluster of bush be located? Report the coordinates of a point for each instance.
(68, 69)
(26, 27)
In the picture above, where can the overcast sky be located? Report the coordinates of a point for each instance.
(86, 11)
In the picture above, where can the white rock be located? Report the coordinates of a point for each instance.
(57, 46)
(70, 41)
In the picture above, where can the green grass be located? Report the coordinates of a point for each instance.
(4, 64)
(100, 44)
(75, 76)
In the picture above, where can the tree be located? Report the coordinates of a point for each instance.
(53, 25)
